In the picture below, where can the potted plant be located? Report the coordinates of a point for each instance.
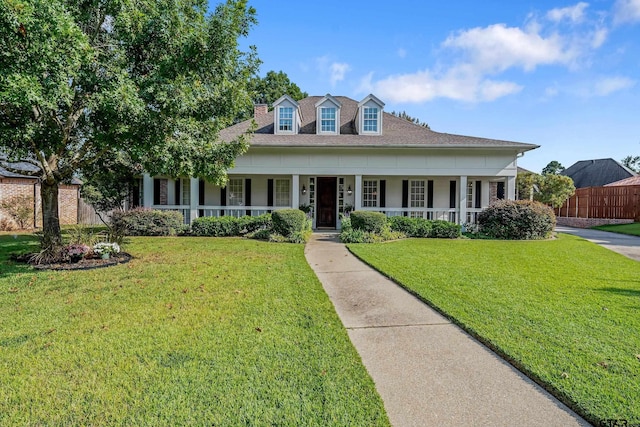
(76, 251)
(105, 249)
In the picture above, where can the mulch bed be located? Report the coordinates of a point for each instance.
(83, 264)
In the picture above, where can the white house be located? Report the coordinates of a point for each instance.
(335, 153)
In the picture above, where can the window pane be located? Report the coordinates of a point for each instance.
(282, 192)
(328, 120)
(470, 194)
(286, 119)
(369, 194)
(370, 119)
(417, 194)
(235, 192)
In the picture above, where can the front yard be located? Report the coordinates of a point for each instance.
(632, 229)
(565, 311)
(193, 331)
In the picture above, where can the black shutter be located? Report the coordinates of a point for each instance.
(270, 192)
(247, 195)
(405, 195)
(383, 193)
(452, 194)
(177, 187)
(156, 191)
(500, 191)
(430, 194)
(478, 194)
(201, 197)
(223, 199)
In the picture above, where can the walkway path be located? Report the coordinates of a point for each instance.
(622, 243)
(427, 370)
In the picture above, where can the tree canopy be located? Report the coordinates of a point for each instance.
(153, 79)
(407, 117)
(551, 189)
(267, 89)
(554, 168)
(632, 162)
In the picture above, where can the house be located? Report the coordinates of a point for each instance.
(334, 153)
(20, 184)
(597, 173)
(634, 180)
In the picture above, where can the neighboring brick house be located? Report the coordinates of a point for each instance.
(15, 184)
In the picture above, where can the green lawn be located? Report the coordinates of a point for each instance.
(633, 228)
(565, 311)
(193, 331)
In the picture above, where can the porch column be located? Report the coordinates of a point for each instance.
(147, 190)
(357, 193)
(295, 187)
(194, 194)
(463, 200)
(511, 188)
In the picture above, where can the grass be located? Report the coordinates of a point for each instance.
(565, 311)
(632, 229)
(193, 331)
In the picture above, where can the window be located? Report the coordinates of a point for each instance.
(328, 119)
(370, 119)
(282, 192)
(470, 194)
(369, 194)
(417, 194)
(285, 122)
(235, 192)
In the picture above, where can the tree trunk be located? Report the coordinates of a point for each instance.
(52, 238)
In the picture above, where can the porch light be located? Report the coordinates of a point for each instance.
(349, 191)
(304, 189)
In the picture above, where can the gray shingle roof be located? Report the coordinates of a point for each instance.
(596, 173)
(396, 132)
(27, 167)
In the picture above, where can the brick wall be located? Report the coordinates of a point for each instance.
(589, 222)
(67, 198)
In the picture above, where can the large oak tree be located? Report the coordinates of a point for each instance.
(153, 79)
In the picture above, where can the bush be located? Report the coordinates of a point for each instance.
(372, 222)
(445, 230)
(215, 226)
(411, 227)
(287, 222)
(517, 220)
(146, 222)
(20, 209)
(250, 224)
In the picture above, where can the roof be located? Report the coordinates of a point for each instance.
(26, 167)
(634, 180)
(396, 132)
(596, 173)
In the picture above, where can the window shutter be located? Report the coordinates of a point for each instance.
(156, 191)
(270, 192)
(452, 194)
(430, 194)
(201, 197)
(478, 194)
(223, 199)
(383, 194)
(178, 186)
(247, 195)
(405, 195)
(500, 191)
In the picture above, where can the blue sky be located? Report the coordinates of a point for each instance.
(563, 75)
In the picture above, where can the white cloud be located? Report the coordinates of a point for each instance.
(609, 85)
(571, 13)
(338, 71)
(402, 53)
(599, 37)
(626, 11)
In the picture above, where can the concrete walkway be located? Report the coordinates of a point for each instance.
(624, 244)
(427, 370)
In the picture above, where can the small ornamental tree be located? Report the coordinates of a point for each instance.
(19, 209)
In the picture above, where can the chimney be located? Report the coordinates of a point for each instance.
(260, 110)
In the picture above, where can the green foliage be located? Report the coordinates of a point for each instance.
(560, 310)
(19, 209)
(632, 229)
(269, 88)
(553, 168)
(215, 226)
(373, 222)
(517, 220)
(155, 79)
(632, 162)
(146, 222)
(287, 222)
(527, 184)
(444, 230)
(407, 117)
(555, 190)
(412, 227)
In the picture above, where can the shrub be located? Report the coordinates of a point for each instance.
(250, 224)
(517, 220)
(286, 222)
(20, 209)
(146, 222)
(215, 226)
(7, 225)
(445, 230)
(411, 227)
(373, 222)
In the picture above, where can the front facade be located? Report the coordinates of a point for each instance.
(329, 155)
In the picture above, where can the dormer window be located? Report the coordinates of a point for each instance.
(328, 116)
(285, 122)
(328, 119)
(369, 118)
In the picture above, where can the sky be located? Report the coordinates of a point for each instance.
(562, 75)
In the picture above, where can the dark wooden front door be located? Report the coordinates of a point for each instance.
(327, 188)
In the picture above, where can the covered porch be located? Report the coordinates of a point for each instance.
(451, 198)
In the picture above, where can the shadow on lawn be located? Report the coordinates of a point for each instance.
(622, 291)
(15, 244)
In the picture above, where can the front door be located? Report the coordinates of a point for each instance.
(327, 192)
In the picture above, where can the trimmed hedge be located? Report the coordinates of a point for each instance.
(372, 222)
(517, 220)
(445, 230)
(146, 222)
(412, 227)
(225, 226)
(289, 222)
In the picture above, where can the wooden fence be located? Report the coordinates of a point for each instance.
(615, 202)
(87, 214)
